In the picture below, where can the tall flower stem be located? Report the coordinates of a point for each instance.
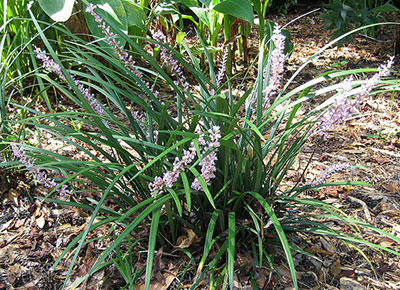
(54, 67)
(116, 46)
(39, 174)
(343, 107)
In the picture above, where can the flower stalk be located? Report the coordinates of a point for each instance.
(276, 65)
(169, 60)
(343, 107)
(207, 164)
(39, 174)
(52, 66)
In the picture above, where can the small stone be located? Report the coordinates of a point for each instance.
(349, 284)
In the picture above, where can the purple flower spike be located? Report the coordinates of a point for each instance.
(208, 163)
(169, 60)
(172, 176)
(344, 107)
(276, 62)
(39, 174)
(275, 66)
(222, 68)
(52, 66)
(118, 49)
(329, 171)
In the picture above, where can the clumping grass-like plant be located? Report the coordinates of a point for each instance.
(203, 165)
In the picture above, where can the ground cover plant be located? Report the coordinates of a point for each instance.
(342, 16)
(202, 161)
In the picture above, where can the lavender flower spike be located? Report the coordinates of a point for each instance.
(170, 60)
(276, 62)
(341, 110)
(344, 107)
(370, 83)
(208, 163)
(52, 66)
(115, 46)
(39, 174)
(222, 68)
(172, 176)
(329, 171)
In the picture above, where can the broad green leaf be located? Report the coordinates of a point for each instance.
(58, 10)
(134, 14)
(206, 2)
(237, 8)
(165, 8)
(190, 3)
(385, 8)
(202, 14)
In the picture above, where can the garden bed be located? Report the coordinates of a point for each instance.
(34, 233)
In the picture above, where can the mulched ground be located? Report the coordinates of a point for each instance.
(33, 233)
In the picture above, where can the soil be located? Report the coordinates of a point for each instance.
(34, 233)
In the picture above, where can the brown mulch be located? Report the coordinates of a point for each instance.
(33, 234)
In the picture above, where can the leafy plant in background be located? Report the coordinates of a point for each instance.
(127, 15)
(280, 6)
(209, 16)
(190, 161)
(233, 16)
(17, 32)
(343, 16)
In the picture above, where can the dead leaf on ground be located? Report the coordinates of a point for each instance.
(13, 196)
(319, 251)
(158, 266)
(87, 262)
(284, 271)
(385, 242)
(168, 278)
(185, 241)
(332, 191)
(336, 268)
(392, 187)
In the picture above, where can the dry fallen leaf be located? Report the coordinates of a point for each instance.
(353, 151)
(284, 271)
(158, 266)
(262, 279)
(13, 196)
(392, 187)
(335, 268)
(187, 240)
(332, 191)
(350, 284)
(245, 260)
(319, 251)
(40, 221)
(385, 242)
(168, 278)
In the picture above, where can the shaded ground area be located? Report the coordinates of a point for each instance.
(33, 233)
